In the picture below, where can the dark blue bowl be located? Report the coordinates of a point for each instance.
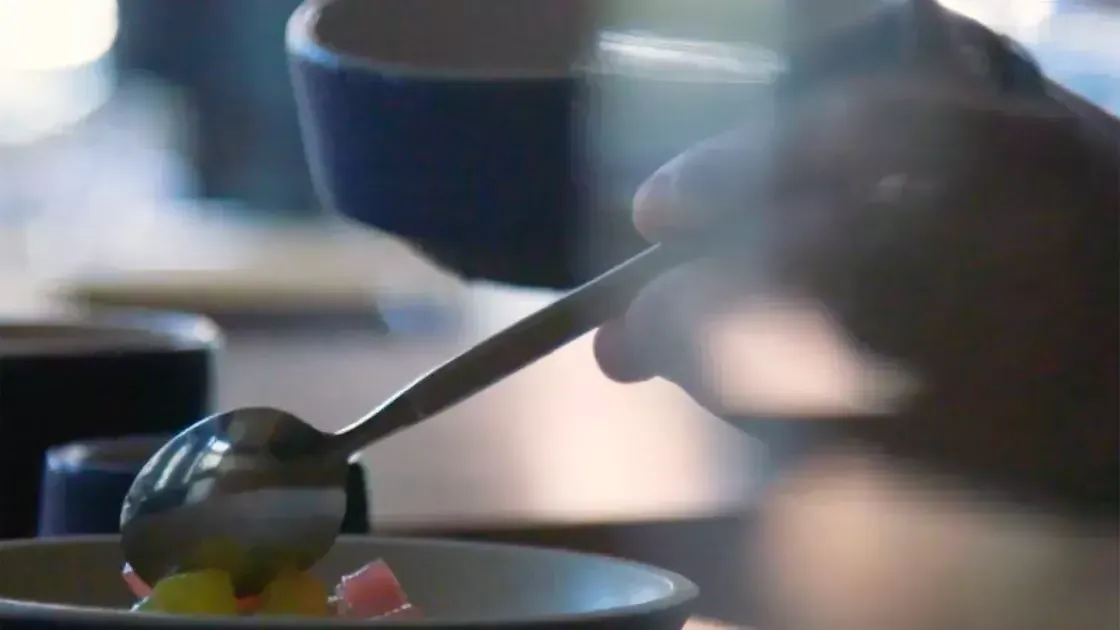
(450, 124)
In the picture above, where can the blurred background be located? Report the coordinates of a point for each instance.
(151, 147)
(150, 156)
(145, 121)
(155, 134)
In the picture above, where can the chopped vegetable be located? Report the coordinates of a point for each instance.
(134, 582)
(140, 589)
(146, 605)
(249, 605)
(371, 592)
(296, 593)
(195, 593)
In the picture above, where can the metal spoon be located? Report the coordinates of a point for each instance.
(253, 490)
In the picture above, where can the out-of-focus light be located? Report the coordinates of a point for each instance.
(684, 60)
(53, 64)
(1017, 18)
(45, 35)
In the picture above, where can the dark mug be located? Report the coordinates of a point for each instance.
(80, 376)
(449, 124)
(477, 130)
(85, 482)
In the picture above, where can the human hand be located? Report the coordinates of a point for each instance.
(929, 265)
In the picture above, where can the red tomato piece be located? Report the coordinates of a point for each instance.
(138, 587)
(373, 591)
(249, 604)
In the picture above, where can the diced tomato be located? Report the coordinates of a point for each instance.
(373, 591)
(138, 587)
(370, 592)
(249, 604)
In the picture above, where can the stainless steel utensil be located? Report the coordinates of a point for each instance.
(252, 490)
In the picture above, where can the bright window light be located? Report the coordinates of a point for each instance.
(1017, 18)
(53, 64)
(46, 35)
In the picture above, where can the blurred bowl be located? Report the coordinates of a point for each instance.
(448, 124)
(76, 583)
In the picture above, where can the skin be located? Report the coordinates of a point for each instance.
(929, 251)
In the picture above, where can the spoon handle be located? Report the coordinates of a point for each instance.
(531, 338)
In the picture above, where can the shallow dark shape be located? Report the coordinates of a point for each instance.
(82, 376)
(458, 584)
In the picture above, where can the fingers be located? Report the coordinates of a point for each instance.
(683, 197)
(657, 336)
(745, 350)
(711, 180)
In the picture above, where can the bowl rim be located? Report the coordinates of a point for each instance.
(302, 42)
(682, 591)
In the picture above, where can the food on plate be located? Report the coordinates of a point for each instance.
(296, 593)
(195, 593)
(371, 592)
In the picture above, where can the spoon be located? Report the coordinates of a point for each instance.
(255, 490)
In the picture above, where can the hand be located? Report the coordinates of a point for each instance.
(931, 267)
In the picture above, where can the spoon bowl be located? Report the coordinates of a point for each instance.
(248, 491)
